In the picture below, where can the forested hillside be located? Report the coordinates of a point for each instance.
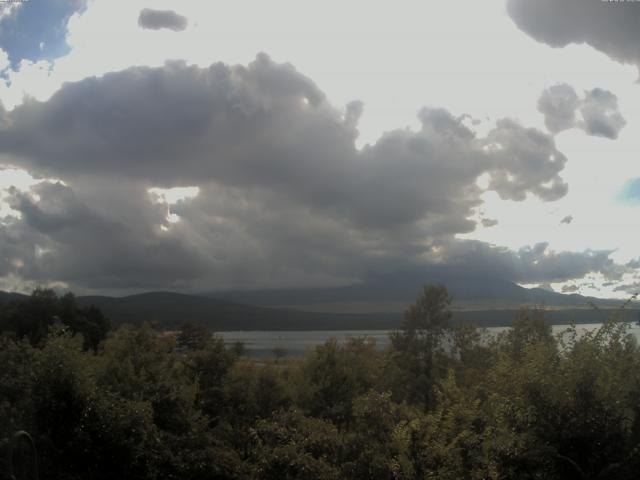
(440, 402)
(167, 310)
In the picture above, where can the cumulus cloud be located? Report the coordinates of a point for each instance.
(158, 19)
(63, 236)
(530, 264)
(4, 60)
(353, 112)
(267, 126)
(567, 220)
(284, 196)
(599, 114)
(559, 104)
(610, 27)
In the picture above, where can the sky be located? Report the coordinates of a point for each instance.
(198, 146)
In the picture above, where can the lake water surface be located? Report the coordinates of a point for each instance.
(262, 343)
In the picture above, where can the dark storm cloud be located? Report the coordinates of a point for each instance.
(544, 265)
(608, 26)
(570, 289)
(178, 124)
(531, 264)
(285, 196)
(268, 127)
(598, 111)
(157, 19)
(230, 237)
(59, 210)
(98, 236)
(629, 288)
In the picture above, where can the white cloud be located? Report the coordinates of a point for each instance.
(8, 8)
(29, 80)
(4, 60)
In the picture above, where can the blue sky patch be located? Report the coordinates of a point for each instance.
(37, 29)
(630, 193)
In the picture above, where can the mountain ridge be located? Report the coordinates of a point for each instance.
(466, 292)
(489, 303)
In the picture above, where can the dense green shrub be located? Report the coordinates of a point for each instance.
(438, 403)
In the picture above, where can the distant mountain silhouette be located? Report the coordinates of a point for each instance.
(479, 292)
(6, 297)
(171, 310)
(483, 302)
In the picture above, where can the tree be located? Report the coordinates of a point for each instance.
(529, 328)
(336, 374)
(209, 368)
(279, 353)
(31, 318)
(376, 445)
(16, 379)
(94, 325)
(193, 336)
(417, 346)
(291, 446)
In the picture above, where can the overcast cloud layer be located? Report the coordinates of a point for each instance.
(285, 198)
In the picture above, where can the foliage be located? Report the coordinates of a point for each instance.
(440, 402)
(417, 348)
(33, 317)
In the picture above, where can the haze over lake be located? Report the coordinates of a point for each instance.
(261, 344)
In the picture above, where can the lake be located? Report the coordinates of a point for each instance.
(260, 344)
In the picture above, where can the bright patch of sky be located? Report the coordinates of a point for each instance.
(630, 193)
(170, 197)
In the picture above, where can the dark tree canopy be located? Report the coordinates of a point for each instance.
(32, 317)
(439, 402)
